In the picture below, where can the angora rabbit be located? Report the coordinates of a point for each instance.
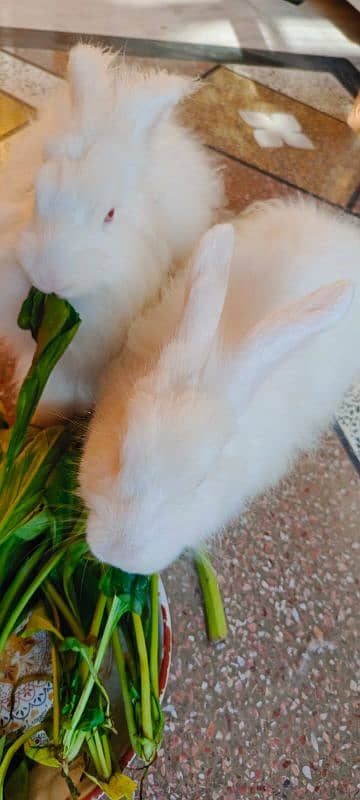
(240, 368)
(102, 195)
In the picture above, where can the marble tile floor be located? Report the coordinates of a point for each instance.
(274, 711)
(327, 27)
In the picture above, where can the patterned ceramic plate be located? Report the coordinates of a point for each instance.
(26, 697)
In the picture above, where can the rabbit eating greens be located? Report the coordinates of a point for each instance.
(238, 369)
(103, 194)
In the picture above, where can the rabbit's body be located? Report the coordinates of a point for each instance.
(112, 195)
(223, 384)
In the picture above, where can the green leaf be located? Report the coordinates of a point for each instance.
(134, 588)
(53, 323)
(73, 644)
(12, 555)
(70, 694)
(32, 311)
(61, 493)
(17, 785)
(32, 527)
(92, 718)
(75, 555)
(19, 584)
(86, 587)
(21, 492)
(119, 786)
(42, 755)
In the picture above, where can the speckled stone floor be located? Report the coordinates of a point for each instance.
(274, 712)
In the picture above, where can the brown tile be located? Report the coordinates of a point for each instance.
(13, 113)
(330, 170)
(244, 185)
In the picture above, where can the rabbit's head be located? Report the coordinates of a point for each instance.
(88, 188)
(151, 473)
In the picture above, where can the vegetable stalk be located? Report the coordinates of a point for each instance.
(213, 605)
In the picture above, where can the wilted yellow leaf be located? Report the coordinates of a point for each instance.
(38, 621)
(42, 755)
(119, 786)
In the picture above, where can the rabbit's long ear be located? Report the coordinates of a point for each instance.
(283, 332)
(186, 353)
(88, 77)
(152, 98)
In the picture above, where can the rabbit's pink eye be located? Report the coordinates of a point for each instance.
(110, 215)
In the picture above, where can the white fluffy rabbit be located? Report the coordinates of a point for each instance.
(240, 367)
(102, 195)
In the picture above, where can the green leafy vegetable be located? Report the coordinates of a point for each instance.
(53, 323)
(134, 589)
(49, 577)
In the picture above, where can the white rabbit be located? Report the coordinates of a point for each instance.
(222, 385)
(102, 195)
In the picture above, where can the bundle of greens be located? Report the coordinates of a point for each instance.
(47, 571)
(49, 581)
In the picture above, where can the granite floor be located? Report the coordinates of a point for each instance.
(275, 711)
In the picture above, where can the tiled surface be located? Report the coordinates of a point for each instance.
(244, 185)
(328, 27)
(348, 418)
(274, 712)
(325, 94)
(13, 114)
(56, 62)
(330, 170)
(26, 82)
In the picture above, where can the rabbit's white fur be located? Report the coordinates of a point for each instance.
(106, 141)
(224, 383)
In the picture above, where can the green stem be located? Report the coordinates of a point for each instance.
(213, 604)
(50, 590)
(94, 753)
(146, 718)
(105, 773)
(107, 753)
(75, 746)
(118, 607)
(94, 633)
(28, 594)
(124, 686)
(154, 633)
(129, 656)
(22, 575)
(98, 616)
(4, 766)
